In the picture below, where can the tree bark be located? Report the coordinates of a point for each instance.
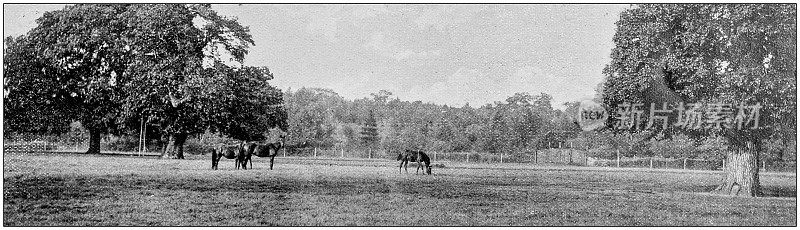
(741, 173)
(94, 141)
(174, 148)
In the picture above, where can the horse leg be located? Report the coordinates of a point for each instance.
(406, 165)
(213, 162)
(216, 160)
(428, 168)
(401, 166)
(271, 161)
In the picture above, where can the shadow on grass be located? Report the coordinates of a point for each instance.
(778, 191)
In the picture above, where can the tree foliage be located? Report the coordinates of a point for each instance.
(31, 98)
(310, 114)
(116, 65)
(514, 126)
(369, 132)
(81, 58)
(738, 53)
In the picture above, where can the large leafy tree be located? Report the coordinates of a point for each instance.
(74, 67)
(241, 103)
(700, 53)
(179, 49)
(109, 66)
(310, 116)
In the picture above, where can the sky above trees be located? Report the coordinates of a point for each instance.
(445, 54)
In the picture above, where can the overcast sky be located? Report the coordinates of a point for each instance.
(446, 54)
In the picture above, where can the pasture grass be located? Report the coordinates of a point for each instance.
(101, 190)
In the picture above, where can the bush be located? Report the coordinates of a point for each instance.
(195, 146)
(121, 143)
(602, 152)
(204, 143)
(474, 157)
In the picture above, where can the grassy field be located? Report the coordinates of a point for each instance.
(99, 190)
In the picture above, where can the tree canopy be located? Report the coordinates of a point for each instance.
(708, 53)
(111, 65)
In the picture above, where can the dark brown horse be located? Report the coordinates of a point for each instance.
(415, 156)
(262, 150)
(235, 151)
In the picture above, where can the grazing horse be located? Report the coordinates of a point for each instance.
(235, 151)
(414, 156)
(262, 150)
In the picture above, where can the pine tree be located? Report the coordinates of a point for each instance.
(369, 132)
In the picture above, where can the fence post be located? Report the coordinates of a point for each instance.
(144, 138)
(651, 162)
(570, 153)
(586, 157)
(501, 157)
(536, 156)
(141, 133)
(684, 163)
(434, 156)
(723, 164)
(617, 158)
(315, 152)
(284, 151)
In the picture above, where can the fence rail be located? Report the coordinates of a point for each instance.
(567, 156)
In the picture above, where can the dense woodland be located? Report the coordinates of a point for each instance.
(518, 125)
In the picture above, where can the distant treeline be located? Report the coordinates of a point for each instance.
(522, 123)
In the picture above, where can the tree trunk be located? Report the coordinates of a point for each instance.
(94, 141)
(741, 173)
(174, 149)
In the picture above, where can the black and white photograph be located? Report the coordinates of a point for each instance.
(414, 114)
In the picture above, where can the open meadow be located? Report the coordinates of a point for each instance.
(104, 190)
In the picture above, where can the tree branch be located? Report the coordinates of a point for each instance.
(176, 102)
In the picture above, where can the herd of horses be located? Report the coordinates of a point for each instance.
(243, 152)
